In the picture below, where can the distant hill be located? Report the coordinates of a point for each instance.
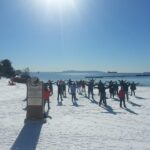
(78, 71)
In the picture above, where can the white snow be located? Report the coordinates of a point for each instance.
(86, 127)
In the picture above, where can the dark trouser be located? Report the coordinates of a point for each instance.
(112, 94)
(127, 96)
(73, 98)
(90, 92)
(102, 99)
(60, 94)
(132, 91)
(122, 100)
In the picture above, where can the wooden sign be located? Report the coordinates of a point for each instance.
(35, 105)
(34, 93)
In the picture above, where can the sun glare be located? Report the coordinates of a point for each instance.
(47, 11)
(47, 8)
(54, 4)
(59, 2)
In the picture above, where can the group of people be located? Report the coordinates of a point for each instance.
(120, 88)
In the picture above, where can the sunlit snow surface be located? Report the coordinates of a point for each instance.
(86, 127)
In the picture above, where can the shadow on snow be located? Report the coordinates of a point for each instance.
(110, 110)
(92, 101)
(139, 97)
(28, 137)
(131, 111)
(134, 104)
(116, 99)
(60, 104)
(77, 105)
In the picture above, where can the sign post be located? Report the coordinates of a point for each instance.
(35, 104)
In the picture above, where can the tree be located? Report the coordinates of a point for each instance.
(26, 73)
(18, 72)
(6, 68)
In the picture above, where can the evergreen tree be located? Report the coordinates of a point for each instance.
(6, 68)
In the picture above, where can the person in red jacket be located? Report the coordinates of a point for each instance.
(121, 95)
(46, 94)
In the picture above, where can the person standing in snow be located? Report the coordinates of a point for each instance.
(116, 87)
(102, 93)
(69, 85)
(121, 96)
(73, 93)
(83, 87)
(100, 84)
(111, 89)
(64, 89)
(50, 85)
(126, 89)
(46, 94)
(90, 88)
(60, 91)
(133, 88)
(79, 85)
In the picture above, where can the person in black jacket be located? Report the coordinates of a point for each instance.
(50, 85)
(133, 88)
(60, 91)
(101, 87)
(111, 89)
(126, 89)
(83, 87)
(69, 85)
(90, 88)
(102, 95)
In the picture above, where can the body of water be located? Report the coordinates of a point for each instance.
(54, 76)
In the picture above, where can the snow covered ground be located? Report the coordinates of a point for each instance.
(86, 127)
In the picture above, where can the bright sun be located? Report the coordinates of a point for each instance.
(59, 2)
(53, 4)
(50, 9)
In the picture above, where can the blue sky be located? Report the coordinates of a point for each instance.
(104, 35)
